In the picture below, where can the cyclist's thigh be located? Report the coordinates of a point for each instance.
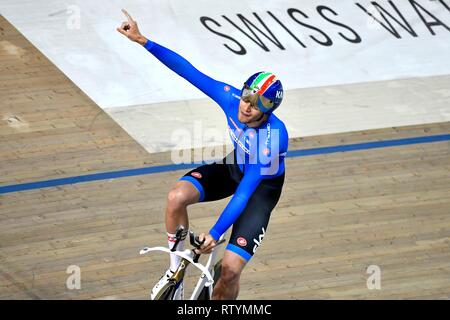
(251, 226)
(213, 181)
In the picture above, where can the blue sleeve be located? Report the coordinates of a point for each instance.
(238, 202)
(218, 91)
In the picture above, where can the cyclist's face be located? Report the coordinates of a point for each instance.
(248, 110)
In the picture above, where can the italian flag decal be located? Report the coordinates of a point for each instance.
(263, 82)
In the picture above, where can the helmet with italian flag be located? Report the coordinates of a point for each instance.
(267, 88)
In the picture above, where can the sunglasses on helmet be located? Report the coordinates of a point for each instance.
(248, 93)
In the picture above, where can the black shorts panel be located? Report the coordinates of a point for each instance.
(216, 180)
(251, 226)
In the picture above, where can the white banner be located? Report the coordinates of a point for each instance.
(306, 43)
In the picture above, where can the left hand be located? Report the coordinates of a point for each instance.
(208, 245)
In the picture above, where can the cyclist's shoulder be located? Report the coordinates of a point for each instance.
(235, 93)
(276, 123)
(227, 88)
(230, 97)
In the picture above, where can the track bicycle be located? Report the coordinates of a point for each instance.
(210, 272)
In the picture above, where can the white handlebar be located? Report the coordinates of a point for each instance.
(186, 254)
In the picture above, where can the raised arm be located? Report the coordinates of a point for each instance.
(218, 91)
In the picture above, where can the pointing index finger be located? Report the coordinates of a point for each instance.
(130, 19)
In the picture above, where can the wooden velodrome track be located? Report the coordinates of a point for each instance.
(340, 212)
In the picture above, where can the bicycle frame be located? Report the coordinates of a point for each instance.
(207, 277)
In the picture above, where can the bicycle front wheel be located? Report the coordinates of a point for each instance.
(167, 292)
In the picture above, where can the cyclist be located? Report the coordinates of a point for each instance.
(253, 173)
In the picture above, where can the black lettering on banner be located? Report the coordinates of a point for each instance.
(389, 17)
(285, 28)
(247, 23)
(242, 50)
(428, 24)
(328, 41)
(444, 4)
(391, 29)
(357, 38)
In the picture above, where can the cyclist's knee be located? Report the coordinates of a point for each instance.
(230, 273)
(177, 197)
(180, 195)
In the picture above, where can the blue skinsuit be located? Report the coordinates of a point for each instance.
(256, 160)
